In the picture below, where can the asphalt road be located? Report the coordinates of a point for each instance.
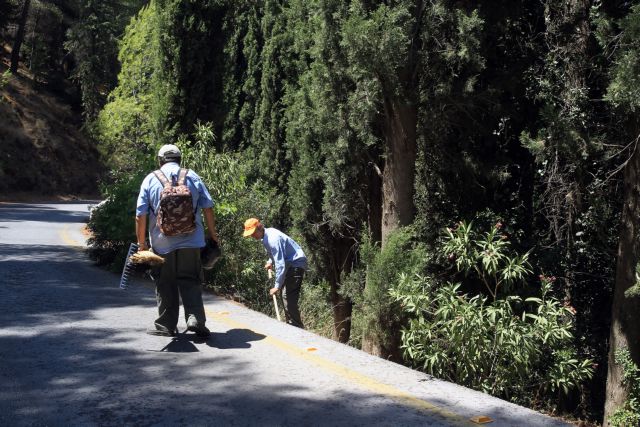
(73, 352)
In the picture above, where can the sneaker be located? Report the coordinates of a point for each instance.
(162, 332)
(194, 326)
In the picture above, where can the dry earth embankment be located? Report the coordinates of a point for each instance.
(42, 148)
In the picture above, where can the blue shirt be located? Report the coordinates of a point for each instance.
(284, 253)
(149, 202)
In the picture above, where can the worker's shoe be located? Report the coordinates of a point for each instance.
(194, 326)
(161, 331)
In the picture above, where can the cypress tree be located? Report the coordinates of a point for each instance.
(623, 93)
(242, 72)
(576, 193)
(189, 85)
(124, 126)
(392, 50)
(93, 41)
(328, 186)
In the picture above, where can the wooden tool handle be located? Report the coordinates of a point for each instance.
(275, 304)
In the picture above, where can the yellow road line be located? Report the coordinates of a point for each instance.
(67, 239)
(369, 383)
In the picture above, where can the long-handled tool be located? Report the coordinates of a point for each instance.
(275, 300)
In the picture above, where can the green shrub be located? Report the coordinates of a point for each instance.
(379, 315)
(629, 414)
(514, 348)
(315, 308)
(4, 80)
(488, 256)
(112, 222)
(352, 287)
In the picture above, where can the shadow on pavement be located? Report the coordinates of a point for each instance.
(234, 338)
(42, 281)
(84, 382)
(41, 213)
(231, 339)
(178, 345)
(72, 352)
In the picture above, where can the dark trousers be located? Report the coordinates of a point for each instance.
(291, 295)
(179, 277)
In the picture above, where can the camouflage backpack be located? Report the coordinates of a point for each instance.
(175, 214)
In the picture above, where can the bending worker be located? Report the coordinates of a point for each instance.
(290, 265)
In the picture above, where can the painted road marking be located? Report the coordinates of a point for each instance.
(67, 239)
(369, 383)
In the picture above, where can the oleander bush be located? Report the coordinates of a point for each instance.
(515, 347)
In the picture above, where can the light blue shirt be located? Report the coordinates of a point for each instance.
(284, 253)
(149, 202)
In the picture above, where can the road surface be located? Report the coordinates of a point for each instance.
(73, 352)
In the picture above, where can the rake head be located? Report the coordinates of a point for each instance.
(129, 267)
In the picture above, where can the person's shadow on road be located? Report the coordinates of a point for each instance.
(233, 338)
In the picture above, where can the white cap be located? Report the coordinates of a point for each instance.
(169, 151)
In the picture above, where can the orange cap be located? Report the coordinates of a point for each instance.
(250, 226)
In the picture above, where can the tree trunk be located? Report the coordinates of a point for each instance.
(374, 211)
(397, 211)
(389, 349)
(625, 328)
(342, 308)
(400, 164)
(340, 262)
(17, 43)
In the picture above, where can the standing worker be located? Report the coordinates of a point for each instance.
(290, 265)
(173, 198)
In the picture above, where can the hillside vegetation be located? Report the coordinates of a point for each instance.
(44, 151)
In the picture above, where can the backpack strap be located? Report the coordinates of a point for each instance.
(162, 178)
(182, 180)
(182, 177)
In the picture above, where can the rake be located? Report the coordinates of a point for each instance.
(127, 270)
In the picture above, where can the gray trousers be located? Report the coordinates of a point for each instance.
(291, 295)
(179, 277)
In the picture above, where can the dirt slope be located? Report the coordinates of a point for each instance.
(42, 149)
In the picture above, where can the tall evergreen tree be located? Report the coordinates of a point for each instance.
(189, 85)
(576, 195)
(244, 42)
(383, 44)
(623, 93)
(19, 39)
(267, 138)
(124, 127)
(328, 185)
(93, 41)
(392, 50)
(7, 9)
